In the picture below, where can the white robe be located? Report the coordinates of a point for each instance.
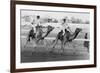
(35, 23)
(65, 26)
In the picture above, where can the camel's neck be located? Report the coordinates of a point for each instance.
(74, 35)
(47, 33)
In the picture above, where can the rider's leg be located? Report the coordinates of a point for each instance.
(62, 47)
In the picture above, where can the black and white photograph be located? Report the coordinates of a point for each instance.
(54, 35)
(48, 36)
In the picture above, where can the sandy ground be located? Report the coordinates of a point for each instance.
(43, 53)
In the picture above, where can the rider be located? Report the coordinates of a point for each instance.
(65, 25)
(36, 25)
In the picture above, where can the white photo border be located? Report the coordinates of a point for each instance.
(20, 65)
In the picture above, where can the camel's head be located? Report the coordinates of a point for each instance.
(78, 30)
(50, 28)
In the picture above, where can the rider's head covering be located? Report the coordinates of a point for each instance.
(38, 17)
(64, 20)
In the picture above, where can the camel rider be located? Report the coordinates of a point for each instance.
(36, 25)
(66, 26)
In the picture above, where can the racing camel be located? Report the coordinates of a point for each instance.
(39, 36)
(67, 37)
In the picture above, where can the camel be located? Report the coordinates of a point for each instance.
(31, 35)
(42, 36)
(49, 29)
(39, 35)
(67, 37)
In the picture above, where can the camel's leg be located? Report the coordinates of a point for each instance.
(68, 44)
(64, 43)
(73, 44)
(26, 44)
(42, 42)
(34, 44)
(87, 49)
(47, 45)
(54, 44)
(45, 42)
(27, 40)
(62, 46)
